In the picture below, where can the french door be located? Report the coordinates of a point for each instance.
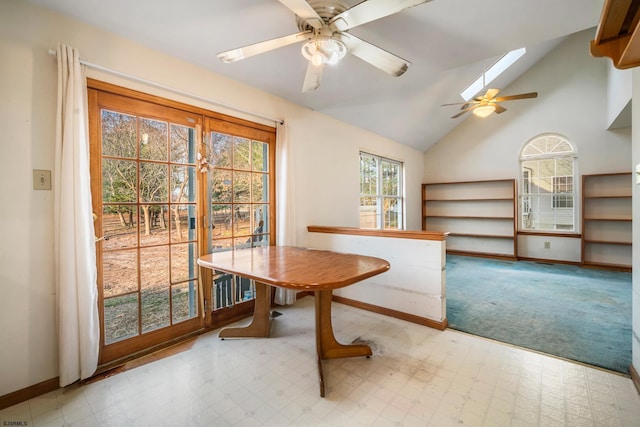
(169, 185)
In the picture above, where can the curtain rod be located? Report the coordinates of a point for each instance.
(170, 89)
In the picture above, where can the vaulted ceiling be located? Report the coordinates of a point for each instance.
(448, 42)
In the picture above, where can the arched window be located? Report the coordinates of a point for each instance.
(548, 178)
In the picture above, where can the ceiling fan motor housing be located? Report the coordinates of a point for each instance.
(325, 10)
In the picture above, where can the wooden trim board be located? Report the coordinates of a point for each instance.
(392, 313)
(30, 392)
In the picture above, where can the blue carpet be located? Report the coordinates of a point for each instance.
(576, 313)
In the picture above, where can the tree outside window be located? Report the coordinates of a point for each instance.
(381, 202)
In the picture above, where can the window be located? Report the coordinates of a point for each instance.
(240, 197)
(563, 190)
(492, 72)
(381, 203)
(547, 190)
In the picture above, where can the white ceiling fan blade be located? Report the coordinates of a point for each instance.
(304, 11)
(379, 58)
(312, 78)
(370, 10)
(265, 46)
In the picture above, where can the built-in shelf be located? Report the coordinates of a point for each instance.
(479, 216)
(607, 242)
(469, 217)
(492, 236)
(469, 200)
(606, 220)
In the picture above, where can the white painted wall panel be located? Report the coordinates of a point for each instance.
(560, 248)
(618, 93)
(28, 342)
(415, 284)
(636, 222)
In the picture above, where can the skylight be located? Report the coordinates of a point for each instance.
(492, 72)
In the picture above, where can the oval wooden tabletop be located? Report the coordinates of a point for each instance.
(296, 268)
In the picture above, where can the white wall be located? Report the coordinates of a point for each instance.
(636, 225)
(572, 101)
(27, 332)
(327, 172)
(326, 165)
(414, 285)
(618, 96)
(565, 249)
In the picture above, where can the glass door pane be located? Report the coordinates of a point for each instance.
(240, 205)
(148, 217)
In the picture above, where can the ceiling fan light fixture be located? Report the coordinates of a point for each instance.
(317, 59)
(324, 50)
(484, 110)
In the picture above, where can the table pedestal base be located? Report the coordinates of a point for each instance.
(326, 344)
(260, 326)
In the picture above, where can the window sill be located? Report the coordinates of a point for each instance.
(551, 233)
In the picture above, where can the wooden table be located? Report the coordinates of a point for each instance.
(302, 270)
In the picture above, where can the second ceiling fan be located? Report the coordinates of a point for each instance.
(486, 104)
(324, 28)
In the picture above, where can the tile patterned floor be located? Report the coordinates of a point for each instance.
(417, 377)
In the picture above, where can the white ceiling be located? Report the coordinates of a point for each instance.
(447, 41)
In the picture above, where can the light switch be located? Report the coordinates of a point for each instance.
(41, 179)
(638, 173)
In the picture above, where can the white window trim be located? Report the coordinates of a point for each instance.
(576, 183)
(379, 196)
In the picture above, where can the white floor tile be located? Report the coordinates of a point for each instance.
(417, 377)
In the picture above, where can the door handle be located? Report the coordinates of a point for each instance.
(97, 239)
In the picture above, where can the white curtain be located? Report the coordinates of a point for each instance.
(74, 236)
(285, 214)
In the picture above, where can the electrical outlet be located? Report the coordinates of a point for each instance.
(547, 245)
(41, 179)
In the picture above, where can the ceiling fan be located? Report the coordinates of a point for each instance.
(486, 104)
(324, 28)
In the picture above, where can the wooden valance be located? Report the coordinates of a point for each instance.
(617, 34)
